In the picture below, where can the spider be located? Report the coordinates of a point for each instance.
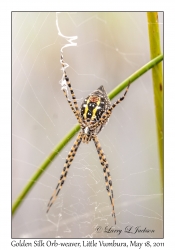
(92, 116)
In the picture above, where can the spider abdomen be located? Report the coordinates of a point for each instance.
(95, 105)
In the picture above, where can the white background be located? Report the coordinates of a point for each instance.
(110, 47)
(5, 106)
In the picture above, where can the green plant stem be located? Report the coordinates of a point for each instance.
(74, 130)
(155, 50)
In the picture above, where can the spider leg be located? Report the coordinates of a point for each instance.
(72, 94)
(63, 176)
(70, 103)
(75, 109)
(107, 175)
(107, 114)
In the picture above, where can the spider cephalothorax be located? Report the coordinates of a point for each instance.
(92, 116)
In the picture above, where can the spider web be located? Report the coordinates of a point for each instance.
(110, 47)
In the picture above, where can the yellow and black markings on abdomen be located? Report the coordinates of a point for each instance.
(92, 110)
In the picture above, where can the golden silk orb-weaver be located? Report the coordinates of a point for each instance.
(92, 117)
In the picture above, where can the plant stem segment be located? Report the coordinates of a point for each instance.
(155, 50)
